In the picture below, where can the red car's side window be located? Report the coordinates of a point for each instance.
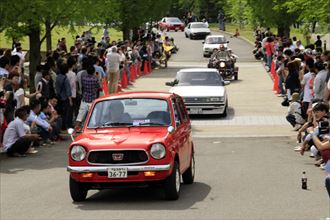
(177, 115)
(182, 110)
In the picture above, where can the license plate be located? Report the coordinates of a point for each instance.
(117, 172)
(195, 111)
(177, 28)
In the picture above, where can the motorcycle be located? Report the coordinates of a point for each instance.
(225, 66)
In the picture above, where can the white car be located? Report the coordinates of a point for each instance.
(197, 30)
(213, 42)
(202, 89)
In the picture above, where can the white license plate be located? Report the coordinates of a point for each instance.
(196, 111)
(117, 172)
(177, 28)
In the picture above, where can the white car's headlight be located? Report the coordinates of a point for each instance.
(158, 151)
(78, 153)
(222, 64)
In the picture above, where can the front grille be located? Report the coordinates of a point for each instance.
(196, 100)
(128, 156)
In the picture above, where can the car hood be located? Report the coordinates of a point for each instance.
(198, 91)
(118, 138)
(198, 30)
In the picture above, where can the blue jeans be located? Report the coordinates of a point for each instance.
(269, 61)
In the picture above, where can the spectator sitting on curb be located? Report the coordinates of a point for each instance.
(294, 112)
(17, 141)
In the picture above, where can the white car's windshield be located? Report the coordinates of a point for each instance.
(130, 112)
(199, 79)
(173, 20)
(198, 25)
(215, 40)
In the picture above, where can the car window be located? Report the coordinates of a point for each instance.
(199, 79)
(130, 112)
(199, 25)
(177, 116)
(215, 40)
(173, 20)
(182, 110)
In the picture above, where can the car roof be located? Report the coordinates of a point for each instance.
(172, 17)
(209, 36)
(141, 94)
(198, 70)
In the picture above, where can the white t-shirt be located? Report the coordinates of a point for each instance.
(73, 83)
(113, 62)
(17, 94)
(307, 92)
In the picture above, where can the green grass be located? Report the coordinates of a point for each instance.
(248, 32)
(58, 33)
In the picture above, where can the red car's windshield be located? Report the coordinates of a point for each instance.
(130, 112)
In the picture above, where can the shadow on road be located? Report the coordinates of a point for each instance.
(145, 199)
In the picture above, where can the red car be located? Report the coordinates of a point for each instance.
(171, 23)
(133, 139)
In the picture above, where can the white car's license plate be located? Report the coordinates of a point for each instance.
(117, 172)
(196, 111)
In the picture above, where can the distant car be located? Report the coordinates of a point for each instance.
(133, 139)
(171, 23)
(196, 30)
(202, 89)
(213, 42)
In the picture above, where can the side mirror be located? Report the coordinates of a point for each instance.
(203, 42)
(226, 82)
(169, 83)
(170, 129)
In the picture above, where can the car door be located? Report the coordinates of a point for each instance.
(188, 29)
(179, 134)
(162, 23)
(186, 132)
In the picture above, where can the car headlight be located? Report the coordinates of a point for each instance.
(78, 153)
(157, 151)
(222, 64)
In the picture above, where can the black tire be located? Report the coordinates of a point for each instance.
(186, 35)
(224, 114)
(191, 37)
(236, 77)
(189, 175)
(172, 184)
(77, 190)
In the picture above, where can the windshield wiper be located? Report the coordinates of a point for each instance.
(111, 124)
(151, 123)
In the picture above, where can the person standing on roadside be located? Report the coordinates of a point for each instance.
(64, 95)
(114, 60)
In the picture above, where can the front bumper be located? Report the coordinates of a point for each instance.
(205, 109)
(84, 169)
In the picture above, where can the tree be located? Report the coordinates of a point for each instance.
(273, 13)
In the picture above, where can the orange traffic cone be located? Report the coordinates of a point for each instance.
(149, 67)
(133, 72)
(276, 89)
(124, 81)
(139, 69)
(105, 87)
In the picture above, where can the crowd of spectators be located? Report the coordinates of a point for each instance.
(66, 83)
(303, 73)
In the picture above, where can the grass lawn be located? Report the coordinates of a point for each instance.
(58, 33)
(248, 33)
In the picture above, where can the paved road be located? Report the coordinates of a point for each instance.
(246, 168)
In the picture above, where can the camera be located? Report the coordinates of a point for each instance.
(323, 127)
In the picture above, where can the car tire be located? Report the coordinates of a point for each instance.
(78, 191)
(205, 55)
(236, 77)
(186, 35)
(191, 37)
(189, 175)
(224, 114)
(172, 183)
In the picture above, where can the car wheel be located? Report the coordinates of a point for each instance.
(77, 190)
(191, 37)
(172, 183)
(186, 35)
(236, 77)
(205, 55)
(189, 175)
